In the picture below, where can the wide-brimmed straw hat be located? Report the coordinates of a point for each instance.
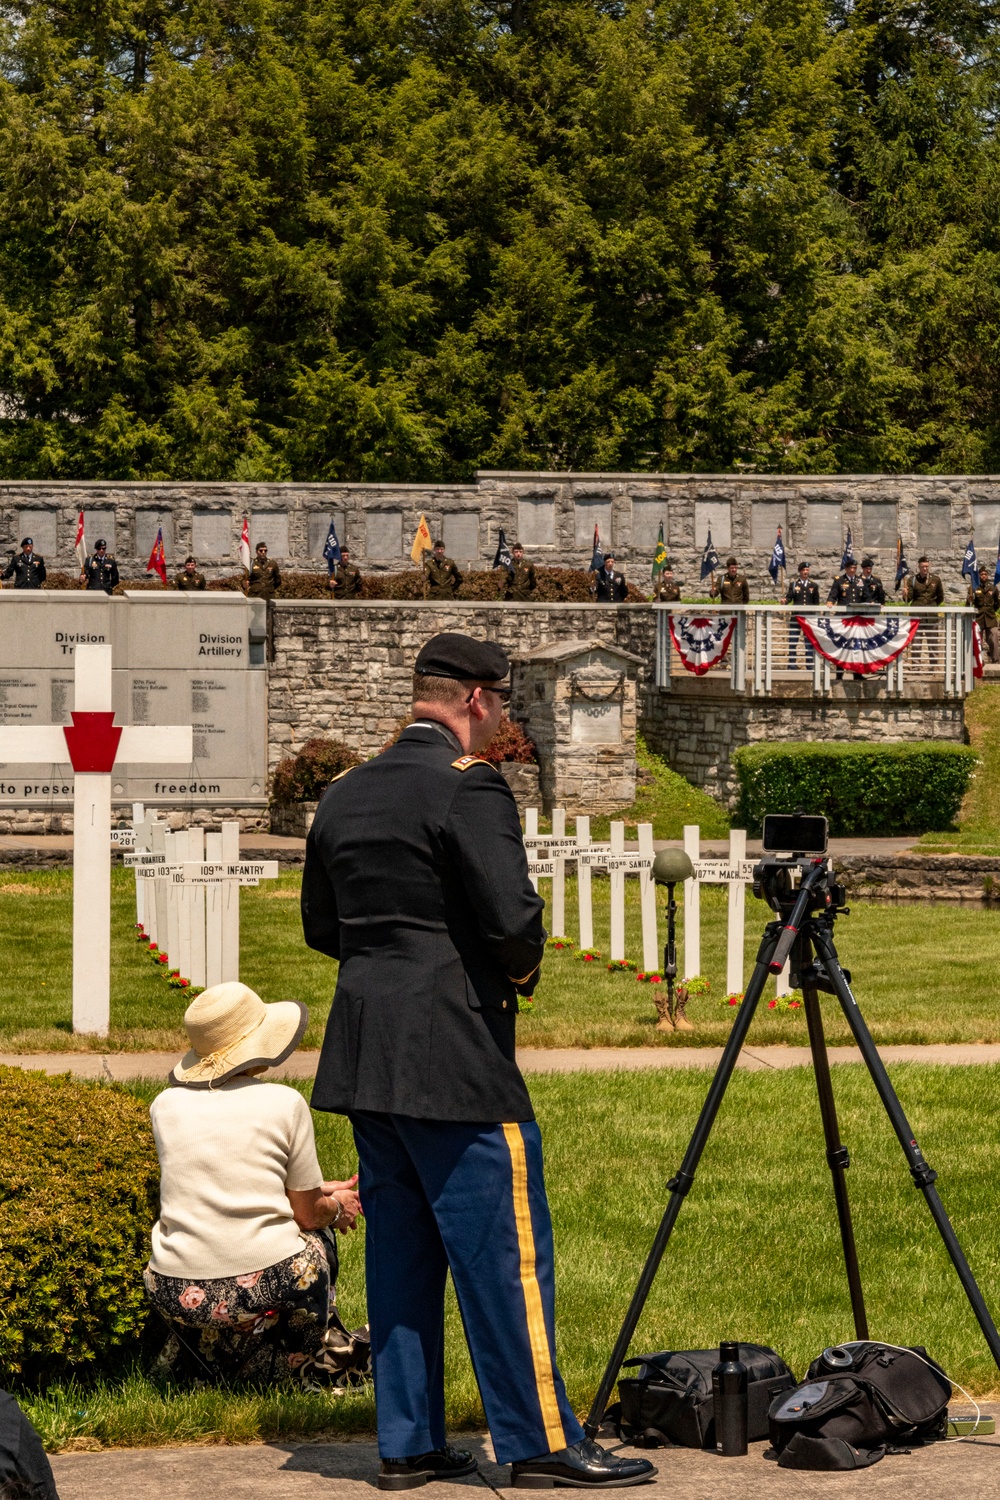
(231, 1029)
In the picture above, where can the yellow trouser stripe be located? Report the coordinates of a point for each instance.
(541, 1355)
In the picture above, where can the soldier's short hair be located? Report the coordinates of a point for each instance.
(517, 546)
(190, 559)
(731, 562)
(923, 560)
(438, 544)
(443, 689)
(261, 546)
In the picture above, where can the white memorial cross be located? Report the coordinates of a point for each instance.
(93, 745)
(737, 873)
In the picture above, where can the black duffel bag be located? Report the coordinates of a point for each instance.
(669, 1400)
(857, 1403)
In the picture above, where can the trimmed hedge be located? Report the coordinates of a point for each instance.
(863, 789)
(306, 776)
(79, 1190)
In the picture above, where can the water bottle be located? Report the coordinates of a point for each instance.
(729, 1397)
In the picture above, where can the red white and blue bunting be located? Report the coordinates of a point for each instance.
(977, 650)
(858, 643)
(701, 640)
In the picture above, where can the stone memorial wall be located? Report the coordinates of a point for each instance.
(178, 659)
(554, 515)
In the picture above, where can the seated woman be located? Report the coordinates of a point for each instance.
(244, 1260)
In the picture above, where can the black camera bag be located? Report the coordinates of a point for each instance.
(669, 1400)
(849, 1419)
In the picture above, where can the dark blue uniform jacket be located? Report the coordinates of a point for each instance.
(416, 879)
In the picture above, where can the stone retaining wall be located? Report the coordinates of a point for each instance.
(921, 877)
(697, 736)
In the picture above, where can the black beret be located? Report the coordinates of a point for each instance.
(867, 562)
(100, 543)
(804, 565)
(454, 655)
(27, 541)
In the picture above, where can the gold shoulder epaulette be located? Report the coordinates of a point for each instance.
(465, 761)
(341, 774)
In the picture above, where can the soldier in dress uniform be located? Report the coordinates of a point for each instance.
(733, 587)
(265, 575)
(608, 586)
(416, 879)
(189, 580)
(871, 583)
(665, 588)
(26, 567)
(986, 601)
(923, 588)
(345, 580)
(99, 570)
(801, 593)
(442, 580)
(846, 590)
(521, 580)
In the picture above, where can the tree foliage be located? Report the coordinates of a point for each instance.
(400, 239)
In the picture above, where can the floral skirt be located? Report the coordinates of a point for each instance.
(269, 1326)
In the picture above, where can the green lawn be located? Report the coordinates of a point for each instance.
(755, 1255)
(978, 829)
(922, 973)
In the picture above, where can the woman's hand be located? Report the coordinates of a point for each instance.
(332, 1205)
(343, 1194)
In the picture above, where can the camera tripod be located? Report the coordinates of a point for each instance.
(804, 927)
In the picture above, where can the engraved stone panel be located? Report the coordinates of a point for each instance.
(98, 523)
(384, 534)
(646, 518)
(271, 528)
(319, 526)
(824, 525)
(536, 521)
(765, 518)
(716, 515)
(146, 524)
(878, 524)
(933, 524)
(986, 519)
(212, 535)
(461, 535)
(40, 525)
(177, 659)
(591, 511)
(595, 723)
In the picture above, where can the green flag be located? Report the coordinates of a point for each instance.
(660, 555)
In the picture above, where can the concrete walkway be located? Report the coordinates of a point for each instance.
(345, 1471)
(122, 1065)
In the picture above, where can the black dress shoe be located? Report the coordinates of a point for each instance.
(585, 1466)
(410, 1473)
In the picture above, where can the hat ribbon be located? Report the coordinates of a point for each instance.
(218, 1060)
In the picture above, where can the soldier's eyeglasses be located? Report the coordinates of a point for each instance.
(502, 693)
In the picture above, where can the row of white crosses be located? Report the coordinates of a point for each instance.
(547, 856)
(187, 895)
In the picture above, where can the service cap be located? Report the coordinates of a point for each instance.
(461, 657)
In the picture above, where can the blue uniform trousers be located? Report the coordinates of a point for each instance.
(440, 1195)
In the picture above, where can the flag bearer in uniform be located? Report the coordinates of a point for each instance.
(416, 879)
(521, 580)
(734, 588)
(925, 590)
(986, 599)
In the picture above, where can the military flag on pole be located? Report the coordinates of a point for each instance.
(848, 556)
(422, 541)
(902, 566)
(969, 570)
(503, 557)
(709, 558)
(597, 556)
(80, 545)
(244, 547)
(331, 547)
(660, 555)
(157, 559)
(778, 562)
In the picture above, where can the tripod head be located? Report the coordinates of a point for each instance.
(782, 881)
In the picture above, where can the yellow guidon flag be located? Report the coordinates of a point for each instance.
(422, 541)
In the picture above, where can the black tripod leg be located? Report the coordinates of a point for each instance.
(837, 1156)
(923, 1176)
(680, 1184)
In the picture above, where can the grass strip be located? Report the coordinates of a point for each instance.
(755, 1255)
